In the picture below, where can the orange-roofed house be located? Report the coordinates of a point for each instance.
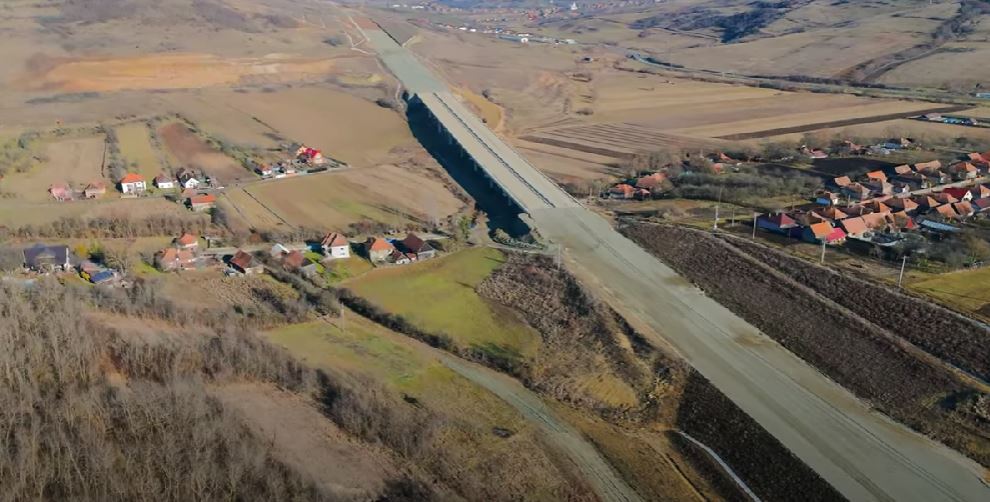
(964, 209)
(944, 198)
(245, 263)
(903, 169)
(622, 191)
(854, 227)
(335, 246)
(60, 192)
(378, 249)
(824, 232)
(202, 202)
(876, 176)
(187, 241)
(170, 259)
(652, 181)
(842, 181)
(946, 211)
(832, 213)
(928, 167)
(132, 183)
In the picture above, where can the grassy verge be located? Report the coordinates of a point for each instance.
(439, 296)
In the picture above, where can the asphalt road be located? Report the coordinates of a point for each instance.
(861, 453)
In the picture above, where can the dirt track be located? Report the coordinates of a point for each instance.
(597, 472)
(840, 123)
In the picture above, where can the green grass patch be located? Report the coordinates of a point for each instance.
(438, 296)
(402, 364)
(348, 268)
(965, 290)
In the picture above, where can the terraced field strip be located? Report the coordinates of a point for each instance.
(840, 123)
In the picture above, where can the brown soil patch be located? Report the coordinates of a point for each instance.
(170, 71)
(191, 151)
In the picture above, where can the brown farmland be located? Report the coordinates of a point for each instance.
(191, 151)
(855, 352)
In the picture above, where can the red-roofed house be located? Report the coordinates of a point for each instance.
(857, 191)
(981, 205)
(293, 260)
(378, 249)
(187, 241)
(824, 231)
(944, 198)
(60, 192)
(779, 223)
(903, 169)
(622, 191)
(335, 246)
(245, 263)
(202, 202)
(832, 213)
(959, 193)
(132, 183)
(170, 259)
(901, 222)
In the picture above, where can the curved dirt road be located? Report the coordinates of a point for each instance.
(607, 483)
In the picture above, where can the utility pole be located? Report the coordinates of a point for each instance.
(717, 204)
(823, 250)
(755, 216)
(900, 277)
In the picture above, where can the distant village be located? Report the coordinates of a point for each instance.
(191, 252)
(194, 187)
(882, 209)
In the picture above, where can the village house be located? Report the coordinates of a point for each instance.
(651, 182)
(245, 263)
(902, 204)
(854, 227)
(979, 192)
(981, 205)
(187, 241)
(399, 258)
(827, 199)
(876, 176)
(857, 191)
(963, 171)
(175, 259)
(824, 231)
(202, 202)
(898, 143)
(415, 245)
(964, 209)
(60, 192)
(622, 191)
(335, 246)
(265, 170)
(831, 213)
(378, 249)
(880, 187)
(944, 198)
(959, 193)
(903, 169)
(928, 167)
(187, 179)
(779, 223)
(164, 182)
(42, 258)
(293, 260)
(94, 190)
(841, 181)
(309, 155)
(278, 251)
(132, 183)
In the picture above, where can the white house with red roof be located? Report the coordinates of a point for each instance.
(132, 183)
(336, 246)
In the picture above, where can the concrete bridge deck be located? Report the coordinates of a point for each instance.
(862, 453)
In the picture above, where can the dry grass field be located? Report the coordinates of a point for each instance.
(135, 147)
(385, 194)
(191, 151)
(76, 161)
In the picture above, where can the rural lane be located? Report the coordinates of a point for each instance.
(862, 453)
(607, 483)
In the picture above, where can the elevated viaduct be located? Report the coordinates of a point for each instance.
(862, 453)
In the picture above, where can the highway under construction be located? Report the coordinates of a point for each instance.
(862, 453)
